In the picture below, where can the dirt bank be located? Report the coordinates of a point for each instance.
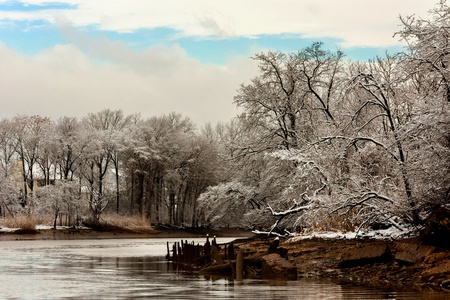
(368, 262)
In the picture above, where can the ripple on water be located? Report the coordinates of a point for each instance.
(135, 269)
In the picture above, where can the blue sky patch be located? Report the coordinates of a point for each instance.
(24, 7)
(32, 37)
(220, 51)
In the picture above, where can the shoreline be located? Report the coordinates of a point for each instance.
(353, 261)
(370, 262)
(87, 233)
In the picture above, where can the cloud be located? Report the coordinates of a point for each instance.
(63, 80)
(357, 23)
(90, 73)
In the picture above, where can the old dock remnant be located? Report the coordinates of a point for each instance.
(233, 259)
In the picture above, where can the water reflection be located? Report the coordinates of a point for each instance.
(136, 269)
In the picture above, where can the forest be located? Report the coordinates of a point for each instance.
(321, 143)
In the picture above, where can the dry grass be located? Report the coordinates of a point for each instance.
(26, 224)
(333, 222)
(131, 223)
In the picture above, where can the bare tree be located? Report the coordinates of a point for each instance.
(29, 134)
(429, 49)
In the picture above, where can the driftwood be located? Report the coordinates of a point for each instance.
(226, 269)
(230, 267)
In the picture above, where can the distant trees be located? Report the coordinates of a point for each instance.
(154, 168)
(7, 146)
(168, 167)
(8, 194)
(29, 134)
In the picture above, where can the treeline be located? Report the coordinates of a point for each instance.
(321, 143)
(154, 168)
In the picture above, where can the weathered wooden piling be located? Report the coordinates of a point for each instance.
(222, 260)
(207, 249)
(216, 255)
(231, 251)
(168, 252)
(240, 266)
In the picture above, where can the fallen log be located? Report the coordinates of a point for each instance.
(253, 262)
(223, 269)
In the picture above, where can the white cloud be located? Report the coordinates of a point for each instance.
(88, 75)
(356, 22)
(64, 81)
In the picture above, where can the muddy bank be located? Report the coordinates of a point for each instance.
(369, 262)
(117, 233)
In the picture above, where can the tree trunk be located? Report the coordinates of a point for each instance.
(171, 207)
(116, 166)
(132, 200)
(141, 194)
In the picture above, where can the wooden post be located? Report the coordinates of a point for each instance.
(174, 247)
(231, 252)
(207, 249)
(240, 266)
(216, 255)
(183, 251)
(168, 251)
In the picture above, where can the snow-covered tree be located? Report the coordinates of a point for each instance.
(428, 52)
(7, 146)
(225, 205)
(60, 200)
(29, 133)
(70, 146)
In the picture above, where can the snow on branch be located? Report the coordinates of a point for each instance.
(292, 210)
(297, 207)
(286, 234)
(360, 200)
(354, 140)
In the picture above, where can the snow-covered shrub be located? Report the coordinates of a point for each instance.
(225, 205)
(60, 199)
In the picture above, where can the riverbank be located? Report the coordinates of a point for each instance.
(402, 263)
(119, 233)
(372, 262)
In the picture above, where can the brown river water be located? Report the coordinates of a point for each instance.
(137, 269)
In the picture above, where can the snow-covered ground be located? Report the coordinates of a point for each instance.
(42, 227)
(390, 233)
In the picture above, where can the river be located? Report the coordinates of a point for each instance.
(136, 269)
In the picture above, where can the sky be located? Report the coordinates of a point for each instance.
(74, 57)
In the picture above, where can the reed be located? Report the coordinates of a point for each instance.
(131, 223)
(24, 223)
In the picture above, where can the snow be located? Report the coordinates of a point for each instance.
(390, 233)
(42, 227)
(6, 230)
(47, 227)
